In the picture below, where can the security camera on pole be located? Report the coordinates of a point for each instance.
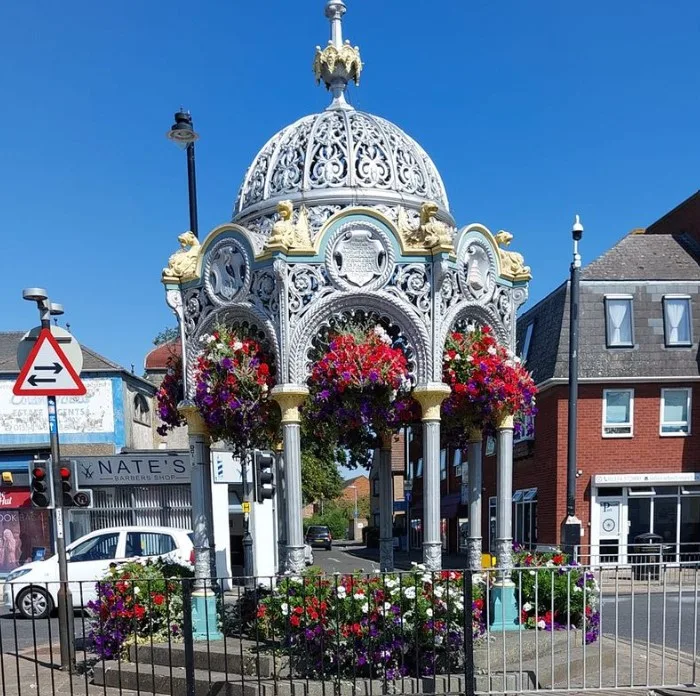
(47, 369)
(571, 530)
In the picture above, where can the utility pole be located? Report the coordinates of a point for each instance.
(572, 526)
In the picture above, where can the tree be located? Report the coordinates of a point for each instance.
(320, 478)
(167, 335)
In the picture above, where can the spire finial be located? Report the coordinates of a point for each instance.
(338, 62)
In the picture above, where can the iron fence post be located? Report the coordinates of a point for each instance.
(469, 686)
(188, 635)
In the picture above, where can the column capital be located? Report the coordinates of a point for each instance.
(507, 422)
(430, 396)
(387, 440)
(475, 435)
(195, 422)
(290, 397)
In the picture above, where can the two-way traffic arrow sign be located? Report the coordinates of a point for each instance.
(47, 371)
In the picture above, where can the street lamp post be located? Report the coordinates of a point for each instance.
(354, 488)
(182, 133)
(66, 628)
(572, 526)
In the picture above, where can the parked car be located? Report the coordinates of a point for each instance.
(32, 590)
(318, 535)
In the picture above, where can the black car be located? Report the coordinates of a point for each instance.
(319, 536)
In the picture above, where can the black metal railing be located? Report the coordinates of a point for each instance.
(546, 625)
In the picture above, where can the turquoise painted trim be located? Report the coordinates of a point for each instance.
(118, 389)
(205, 623)
(505, 608)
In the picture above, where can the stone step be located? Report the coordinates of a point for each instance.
(229, 657)
(161, 679)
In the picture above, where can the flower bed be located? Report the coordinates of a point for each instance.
(359, 388)
(395, 625)
(234, 377)
(556, 594)
(137, 602)
(488, 383)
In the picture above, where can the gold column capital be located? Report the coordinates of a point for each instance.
(195, 422)
(507, 422)
(290, 397)
(430, 397)
(475, 435)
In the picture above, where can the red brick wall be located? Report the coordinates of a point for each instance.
(362, 483)
(545, 468)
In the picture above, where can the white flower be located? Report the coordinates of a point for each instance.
(391, 583)
(420, 566)
(491, 350)
(446, 357)
(517, 360)
(470, 358)
(410, 593)
(359, 595)
(527, 606)
(237, 345)
(387, 606)
(295, 579)
(577, 589)
(471, 328)
(365, 607)
(532, 572)
(509, 363)
(395, 591)
(439, 591)
(427, 577)
(284, 608)
(458, 357)
(342, 592)
(459, 606)
(429, 613)
(509, 353)
(541, 624)
(550, 564)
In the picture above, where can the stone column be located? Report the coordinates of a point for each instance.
(430, 396)
(204, 616)
(474, 448)
(505, 610)
(281, 511)
(386, 507)
(290, 397)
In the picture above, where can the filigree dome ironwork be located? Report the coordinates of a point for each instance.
(336, 158)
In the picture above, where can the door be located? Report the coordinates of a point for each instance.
(612, 549)
(89, 562)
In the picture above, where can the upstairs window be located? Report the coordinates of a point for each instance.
(675, 412)
(677, 326)
(526, 342)
(618, 410)
(618, 321)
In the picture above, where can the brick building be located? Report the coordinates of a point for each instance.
(638, 423)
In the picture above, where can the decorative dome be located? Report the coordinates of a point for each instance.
(340, 156)
(337, 158)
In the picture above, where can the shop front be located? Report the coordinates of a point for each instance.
(25, 533)
(626, 506)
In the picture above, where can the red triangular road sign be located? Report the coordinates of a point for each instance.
(47, 371)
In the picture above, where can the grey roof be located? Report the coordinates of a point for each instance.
(645, 257)
(92, 361)
(643, 267)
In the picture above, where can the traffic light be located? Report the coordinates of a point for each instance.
(264, 476)
(40, 484)
(72, 496)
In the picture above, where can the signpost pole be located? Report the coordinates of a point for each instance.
(66, 627)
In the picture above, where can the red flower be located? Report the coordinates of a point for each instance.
(299, 610)
(294, 620)
(261, 611)
(158, 599)
(558, 559)
(139, 612)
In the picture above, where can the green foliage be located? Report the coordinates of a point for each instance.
(335, 519)
(320, 477)
(167, 335)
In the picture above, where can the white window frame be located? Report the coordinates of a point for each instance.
(526, 341)
(689, 403)
(667, 342)
(528, 424)
(608, 343)
(605, 424)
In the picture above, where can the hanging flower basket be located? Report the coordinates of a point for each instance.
(359, 389)
(234, 377)
(169, 395)
(488, 383)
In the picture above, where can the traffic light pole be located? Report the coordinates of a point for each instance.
(66, 627)
(248, 570)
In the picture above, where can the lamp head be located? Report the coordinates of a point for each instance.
(56, 309)
(181, 132)
(577, 230)
(34, 294)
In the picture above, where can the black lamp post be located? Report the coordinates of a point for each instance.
(572, 525)
(182, 134)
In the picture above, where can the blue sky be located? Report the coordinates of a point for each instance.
(532, 111)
